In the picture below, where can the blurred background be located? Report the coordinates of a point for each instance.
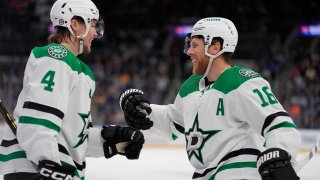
(143, 43)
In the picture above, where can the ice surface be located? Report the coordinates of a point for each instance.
(162, 163)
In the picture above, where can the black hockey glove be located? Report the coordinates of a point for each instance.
(274, 164)
(50, 170)
(136, 109)
(116, 134)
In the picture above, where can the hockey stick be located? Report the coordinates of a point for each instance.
(8, 118)
(307, 157)
(120, 146)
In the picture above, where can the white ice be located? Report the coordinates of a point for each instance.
(162, 163)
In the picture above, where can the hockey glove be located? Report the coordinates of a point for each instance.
(116, 134)
(274, 164)
(50, 170)
(136, 109)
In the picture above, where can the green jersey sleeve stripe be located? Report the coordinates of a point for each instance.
(232, 154)
(43, 108)
(282, 125)
(270, 118)
(42, 122)
(11, 156)
(252, 164)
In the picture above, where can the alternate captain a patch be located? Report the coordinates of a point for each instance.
(57, 51)
(247, 73)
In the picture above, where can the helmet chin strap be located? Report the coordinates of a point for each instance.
(81, 42)
(81, 39)
(81, 46)
(212, 57)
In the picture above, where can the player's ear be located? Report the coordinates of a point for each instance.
(214, 48)
(75, 26)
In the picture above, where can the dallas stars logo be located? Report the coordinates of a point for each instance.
(248, 73)
(83, 136)
(196, 139)
(57, 51)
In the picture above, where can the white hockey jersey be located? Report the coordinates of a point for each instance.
(52, 114)
(227, 124)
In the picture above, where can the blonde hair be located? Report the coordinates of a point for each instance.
(62, 33)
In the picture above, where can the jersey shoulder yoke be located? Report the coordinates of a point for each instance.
(190, 85)
(60, 53)
(233, 77)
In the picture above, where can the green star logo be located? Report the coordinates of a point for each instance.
(196, 139)
(83, 136)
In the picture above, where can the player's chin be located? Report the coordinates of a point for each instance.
(197, 71)
(86, 50)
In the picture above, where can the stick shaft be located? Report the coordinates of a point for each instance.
(8, 118)
(313, 151)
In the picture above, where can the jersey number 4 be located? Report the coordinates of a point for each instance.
(48, 80)
(271, 98)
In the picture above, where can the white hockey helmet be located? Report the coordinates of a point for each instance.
(213, 27)
(63, 11)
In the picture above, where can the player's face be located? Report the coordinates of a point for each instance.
(197, 55)
(90, 36)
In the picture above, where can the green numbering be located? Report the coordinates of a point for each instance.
(271, 98)
(48, 80)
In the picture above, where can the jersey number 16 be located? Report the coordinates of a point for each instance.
(270, 96)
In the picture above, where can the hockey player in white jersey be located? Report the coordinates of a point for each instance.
(228, 114)
(54, 130)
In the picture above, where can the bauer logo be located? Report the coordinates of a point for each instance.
(268, 156)
(61, 21)
(212, 19)
(128, 92)
(247, 73)
(58, 51)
